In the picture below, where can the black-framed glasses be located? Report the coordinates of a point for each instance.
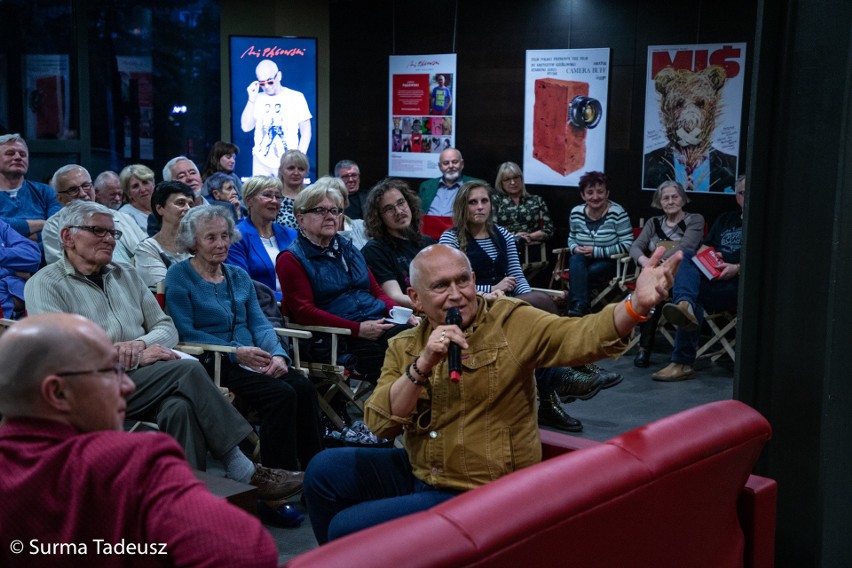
(393, 207)
(350, 176)
(272, 195)
(117, 369)
(75, 190)
(323, 211)
(99, 232)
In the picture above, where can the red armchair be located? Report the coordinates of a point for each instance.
(676, 492)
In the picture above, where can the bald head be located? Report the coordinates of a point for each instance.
(441, 278)
(38, 346)
(432, 257)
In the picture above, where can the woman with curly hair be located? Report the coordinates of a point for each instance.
(392, 217)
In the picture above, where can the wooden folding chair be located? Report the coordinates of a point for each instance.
(724, 327)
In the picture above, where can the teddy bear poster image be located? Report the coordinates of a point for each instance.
(693, 113)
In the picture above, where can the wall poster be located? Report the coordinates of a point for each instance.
(273, 102)
(693, 111)
(422, 113)
(565, 101)
(47, 97)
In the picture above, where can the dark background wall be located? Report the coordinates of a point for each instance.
(490, 39)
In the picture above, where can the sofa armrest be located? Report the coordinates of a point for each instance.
(756, 510)
(555, 444)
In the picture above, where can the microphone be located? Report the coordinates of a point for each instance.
(454, 355)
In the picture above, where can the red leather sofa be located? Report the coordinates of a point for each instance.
(674, 493)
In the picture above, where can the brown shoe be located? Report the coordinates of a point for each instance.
(674, 372)
(681, 315)
(276, 483)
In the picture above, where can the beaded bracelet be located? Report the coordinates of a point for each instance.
(419, 372)
(412, 379)
(636, 316)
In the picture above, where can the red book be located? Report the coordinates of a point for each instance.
(709, 262)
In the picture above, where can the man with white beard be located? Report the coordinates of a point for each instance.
(437, 195)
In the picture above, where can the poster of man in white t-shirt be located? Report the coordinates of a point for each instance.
(279, 116)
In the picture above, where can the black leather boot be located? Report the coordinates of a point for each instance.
(551, 413)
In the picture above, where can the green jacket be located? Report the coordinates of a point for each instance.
(463, 435)
(429, 189)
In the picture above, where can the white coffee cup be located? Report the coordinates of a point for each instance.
(398, 314)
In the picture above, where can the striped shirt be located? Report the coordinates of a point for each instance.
(450, 238)
(613, 234)
(125, 308)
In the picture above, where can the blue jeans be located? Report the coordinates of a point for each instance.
(350, 489)
(585, 272)
(711, 295)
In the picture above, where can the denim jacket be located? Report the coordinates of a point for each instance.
(463, 435)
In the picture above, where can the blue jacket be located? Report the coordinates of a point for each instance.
(341, 285)
(17, 254)
(250, 255)
(34, 201)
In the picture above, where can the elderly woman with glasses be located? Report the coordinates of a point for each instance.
(213, 302)
(521, 213)
(325, 281)
(392, 217)
(137, 184)
(262, 237)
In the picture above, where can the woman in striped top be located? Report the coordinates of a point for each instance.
(598, 229)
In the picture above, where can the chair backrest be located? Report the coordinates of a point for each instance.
(435, 225)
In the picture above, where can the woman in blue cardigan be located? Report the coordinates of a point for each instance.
(262, 238)
(212, 302)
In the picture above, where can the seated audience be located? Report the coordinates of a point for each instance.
(675, 230)
(222, 159)
(72, 183)
(169, 203)
(458, 436)
(352, 229)
(693, 294)
(262, 238)
(64, 394)
(392, 218)
(597, 230)
(219, 189)
(350, 173)
(174, 392)
(24, 204)
(292, 171)
(137, 183)
(521, 213)
(108, 190)
(326, 282)
(212, 302)
(19, 259)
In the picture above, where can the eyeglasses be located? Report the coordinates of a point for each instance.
(99, 232)
(400, 205)
(117, 369)
(323, 211)
(267, 82)
(350, 176)
(272, 196)
(75, 190)
(510, 179)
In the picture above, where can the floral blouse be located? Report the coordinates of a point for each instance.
(529, 215)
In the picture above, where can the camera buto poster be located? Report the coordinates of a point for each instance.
(693, 114)
(565, 108)
(273, 102)
(422, 113)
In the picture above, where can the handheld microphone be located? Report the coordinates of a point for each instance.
(454, 355)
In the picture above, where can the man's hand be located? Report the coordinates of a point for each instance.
(655, 280)
(129, 353)
(156, 353)
(438, 346)
(252, 91)
(729, 271)
(253, 358)
(373, 329)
